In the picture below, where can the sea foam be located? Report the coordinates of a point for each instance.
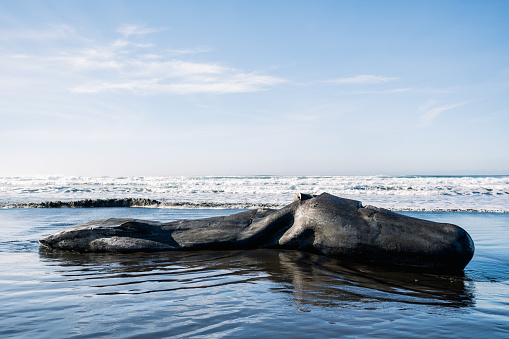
(418, 193)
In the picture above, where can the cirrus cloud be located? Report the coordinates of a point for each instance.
(130, 64)
(229, 82)
(128, 30)
(363, 79)
(119, 66)
(431, 111)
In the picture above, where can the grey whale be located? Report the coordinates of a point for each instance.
(324, 224)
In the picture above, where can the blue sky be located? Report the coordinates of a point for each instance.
(254, 87)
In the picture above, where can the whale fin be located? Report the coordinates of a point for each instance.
(303, 196)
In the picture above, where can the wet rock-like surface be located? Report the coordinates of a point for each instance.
(127, 202)
(324, 224)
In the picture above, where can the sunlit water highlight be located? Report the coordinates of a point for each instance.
(240, 293)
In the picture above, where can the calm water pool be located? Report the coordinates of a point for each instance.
(256, 293)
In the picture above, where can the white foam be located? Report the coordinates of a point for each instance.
(480, 193)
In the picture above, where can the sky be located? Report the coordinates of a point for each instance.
(142, 88)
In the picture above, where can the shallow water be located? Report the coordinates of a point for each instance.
(240, 293)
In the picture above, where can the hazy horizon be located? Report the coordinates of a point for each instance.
(222, 88)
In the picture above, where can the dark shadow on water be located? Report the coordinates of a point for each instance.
(307, 279)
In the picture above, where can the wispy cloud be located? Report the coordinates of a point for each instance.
(182, 51)
(161, 71)
(132, 65)
(48, 32)
(386, 91)
(155, 75)
(426, 90)
(224, 83)
(431, 111)
(363, 79)
(128, 30)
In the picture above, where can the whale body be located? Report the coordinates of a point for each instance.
(324, 224)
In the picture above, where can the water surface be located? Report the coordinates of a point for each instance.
(429, 193)
(240, 293)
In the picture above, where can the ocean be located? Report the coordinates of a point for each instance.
(402, 193)
(255, 293)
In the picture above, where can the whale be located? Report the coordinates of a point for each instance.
(324, 224)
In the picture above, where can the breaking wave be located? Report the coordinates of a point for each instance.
(406, 193)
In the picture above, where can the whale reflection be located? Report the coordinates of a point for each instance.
(306, 279)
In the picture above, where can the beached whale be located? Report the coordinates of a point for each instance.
(323, 224)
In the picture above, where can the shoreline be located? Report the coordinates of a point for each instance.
(152, 203)
(414, 193)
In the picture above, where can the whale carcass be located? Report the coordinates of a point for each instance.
(323, 224)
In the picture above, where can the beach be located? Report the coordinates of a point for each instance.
(320, 122)
(252, 293)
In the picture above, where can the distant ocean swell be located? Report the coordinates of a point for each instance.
(411, 193)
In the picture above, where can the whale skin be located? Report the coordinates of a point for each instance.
(324, 224)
